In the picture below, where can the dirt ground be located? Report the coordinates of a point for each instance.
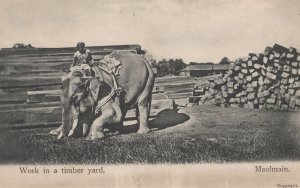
(198, 134)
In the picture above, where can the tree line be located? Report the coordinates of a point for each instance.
(173, 66)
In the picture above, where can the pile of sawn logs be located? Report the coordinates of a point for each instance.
(263, 81)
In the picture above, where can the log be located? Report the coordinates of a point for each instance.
(287, 68)
(251, 105)
(284, 81)
(230, 84)
(244, 71)
(225, 94)
(294, 71)
(297, 93)
(257, 66)
(224, 88)
(262, 106)
(276, 54)
(287, 96)
(251, 96)
(232, 100)
(292, 103)
(236, 86)
(280, 67)
(230, 91)
(297, 102)
(231, 66)
(267, 81)
(261, 82)
(262, 100)
(241, 76)
(291, 56)
(249, 78)
(250, 63)
(260, 94)
(278, 102)
(254, 58)
(284, 107)
(266, 93)
(254, 84)
(294, 64)
(255, 74)
(271, 76)
(244, 65)
(270, 106)
(250, 89)
(237, 68)
(271, 100)
(265, 60)
(255, 102)
(291, 80)
(296, 85)
(285, 75)
(271, 57)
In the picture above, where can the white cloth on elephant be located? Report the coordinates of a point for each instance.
(85, 67)
(110, 64)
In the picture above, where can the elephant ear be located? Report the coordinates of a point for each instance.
(98, 88)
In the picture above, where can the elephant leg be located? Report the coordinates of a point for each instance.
(144, 105)
(97, 127)
(137, 113)
(143, 118)
(119, 118)
(57, 130)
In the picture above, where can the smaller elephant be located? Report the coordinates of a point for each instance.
(94, 103)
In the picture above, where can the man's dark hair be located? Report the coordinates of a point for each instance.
(80, 44)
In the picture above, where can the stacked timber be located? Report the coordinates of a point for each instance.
(30, 84)
(263, 81)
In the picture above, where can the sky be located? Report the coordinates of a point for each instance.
(194, 30)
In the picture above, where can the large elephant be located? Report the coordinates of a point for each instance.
(93, 103)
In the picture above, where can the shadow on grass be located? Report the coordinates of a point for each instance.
(164, 119)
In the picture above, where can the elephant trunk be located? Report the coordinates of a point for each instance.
(65, 122)
(69, 119)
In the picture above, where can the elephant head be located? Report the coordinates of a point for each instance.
(79, 97)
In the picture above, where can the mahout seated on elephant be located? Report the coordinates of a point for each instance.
(91, 103)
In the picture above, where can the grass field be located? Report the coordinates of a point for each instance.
(199, 134)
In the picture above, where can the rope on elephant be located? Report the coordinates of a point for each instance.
(104, 100)
(97, 71)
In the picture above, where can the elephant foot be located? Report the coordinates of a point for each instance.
(56, 131)
(95, 136)
(143, 130)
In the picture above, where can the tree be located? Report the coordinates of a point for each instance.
(224, 60)
(171, 66)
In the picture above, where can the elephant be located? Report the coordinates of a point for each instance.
(93, 103)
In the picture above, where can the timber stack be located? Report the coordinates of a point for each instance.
(262, 81)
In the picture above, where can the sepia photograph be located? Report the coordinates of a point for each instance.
(163, 93)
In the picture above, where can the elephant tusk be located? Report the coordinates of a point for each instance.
(75, 123)
(60, 135)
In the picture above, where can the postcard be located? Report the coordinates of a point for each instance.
(165, 93)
